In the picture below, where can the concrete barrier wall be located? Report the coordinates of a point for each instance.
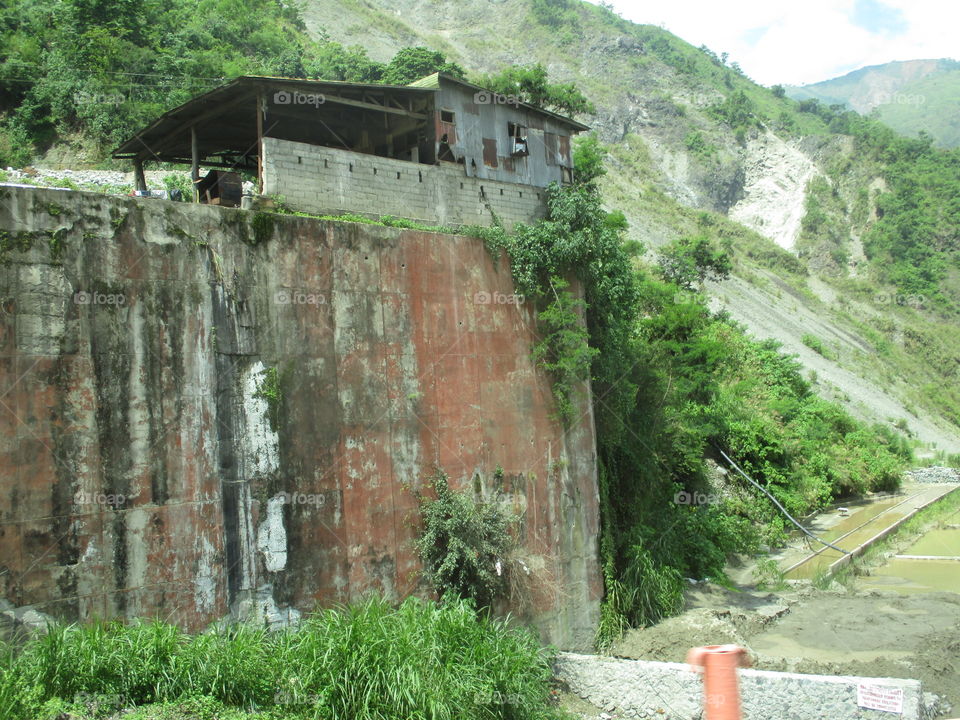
(149, 466)
(674, 691)
(328, 181)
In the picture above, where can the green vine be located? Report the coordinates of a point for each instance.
(270, 389)
(564, 351)
(263, 224)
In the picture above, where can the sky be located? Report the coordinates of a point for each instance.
(794, 42)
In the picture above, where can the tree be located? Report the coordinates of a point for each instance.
(530, 85)
(691, 260)
(413, 63)
(588, 155)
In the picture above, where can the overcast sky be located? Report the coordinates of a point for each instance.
(802, 41)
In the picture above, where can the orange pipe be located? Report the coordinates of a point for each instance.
(719, 664)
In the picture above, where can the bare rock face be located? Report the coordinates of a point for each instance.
(774, 194)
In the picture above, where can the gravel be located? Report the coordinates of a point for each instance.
(933, 475)
(92, 179)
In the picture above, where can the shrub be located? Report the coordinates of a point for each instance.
(464, 544)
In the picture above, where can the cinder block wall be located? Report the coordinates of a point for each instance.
(324, 180)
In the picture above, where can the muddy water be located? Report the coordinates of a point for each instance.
(859, 517)
(937, 542)
(866, 517)
(915, 575)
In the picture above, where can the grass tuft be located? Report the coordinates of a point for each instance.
(368, 661)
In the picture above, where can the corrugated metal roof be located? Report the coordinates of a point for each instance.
(222, 103)
(430, 81)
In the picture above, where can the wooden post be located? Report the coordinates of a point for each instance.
(139, 179)
(261, 111)
(195, 162)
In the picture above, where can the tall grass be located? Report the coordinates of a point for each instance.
(369, 661)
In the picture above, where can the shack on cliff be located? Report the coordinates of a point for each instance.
(440, 150)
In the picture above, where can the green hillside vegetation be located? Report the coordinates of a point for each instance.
(99, 70)
(673, 385)
(938, 114)
(921, 96)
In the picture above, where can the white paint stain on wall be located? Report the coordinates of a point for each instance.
(205, 582)
(259, 445)
(272, 536)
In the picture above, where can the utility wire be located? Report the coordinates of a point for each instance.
(777, 503)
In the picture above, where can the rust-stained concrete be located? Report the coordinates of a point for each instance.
(144, 470)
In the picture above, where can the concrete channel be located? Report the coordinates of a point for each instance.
(856, 528)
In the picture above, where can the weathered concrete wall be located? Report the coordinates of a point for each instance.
(148, 467)
(323, 180)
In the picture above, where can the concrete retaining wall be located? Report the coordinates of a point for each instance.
(673, 691)
(197, 418)
(327, 181)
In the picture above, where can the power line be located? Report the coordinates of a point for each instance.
(776, 502)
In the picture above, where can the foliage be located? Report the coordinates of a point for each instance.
(178, 181)
(672, 383)
(105, 68)
(369, 661)
(768, 576)
(530, 85)
(464, 544)
(413, 63)
(814, 343)
(738, 111)
(698, 145)
(690, 261)
(263, 224)
(564, 351)
(588, 159)
(560, 17)
(916, 237)
(270, 389)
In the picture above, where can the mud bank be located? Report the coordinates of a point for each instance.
(804, 630)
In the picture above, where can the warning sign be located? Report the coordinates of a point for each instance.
(873, 697)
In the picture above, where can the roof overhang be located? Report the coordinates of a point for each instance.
(225, 119)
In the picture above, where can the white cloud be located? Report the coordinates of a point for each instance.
(793, 42)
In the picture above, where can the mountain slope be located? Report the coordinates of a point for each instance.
(681, 147)
(909, 96)
(819, 208)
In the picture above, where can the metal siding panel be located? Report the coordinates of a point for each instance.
(550, 147)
